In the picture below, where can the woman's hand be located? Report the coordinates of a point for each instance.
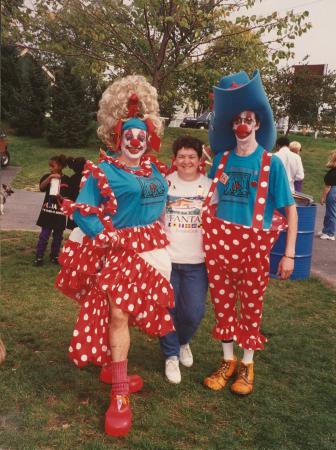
(324, 194)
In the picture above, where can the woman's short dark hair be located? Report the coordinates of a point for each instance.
(188, 142)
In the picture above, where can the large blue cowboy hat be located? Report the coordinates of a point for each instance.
(236, 93)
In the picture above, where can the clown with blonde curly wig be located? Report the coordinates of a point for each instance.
(115, 264)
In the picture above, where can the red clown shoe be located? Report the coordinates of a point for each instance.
(118, 417)
(135, 381)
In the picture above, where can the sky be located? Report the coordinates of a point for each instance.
(319, 41)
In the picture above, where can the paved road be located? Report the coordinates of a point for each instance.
(324, 254)
(23, 207)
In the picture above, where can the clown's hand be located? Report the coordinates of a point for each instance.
(285, 268)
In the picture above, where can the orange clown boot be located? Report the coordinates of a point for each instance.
(243, 385)
(118, 417)
(220, 377)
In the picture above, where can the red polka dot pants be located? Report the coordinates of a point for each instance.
(237, 259)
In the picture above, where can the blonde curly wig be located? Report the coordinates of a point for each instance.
(332, 160)
(114, 102)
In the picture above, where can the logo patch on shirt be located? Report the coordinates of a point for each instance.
(237, 184)
(224, 178)
(151, 188)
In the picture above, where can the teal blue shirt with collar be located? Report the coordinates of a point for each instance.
(237, 196)
(141, 200)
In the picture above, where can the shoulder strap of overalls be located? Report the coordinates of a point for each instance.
(219, 171)
(260, 203)
(262, 189)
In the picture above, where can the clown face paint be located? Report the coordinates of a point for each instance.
(244, 126)
(133, 144)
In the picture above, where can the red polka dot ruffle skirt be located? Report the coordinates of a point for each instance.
(90, 274)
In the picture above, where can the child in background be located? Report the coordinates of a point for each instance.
(187, 191)
(51, 218)
(328, 198)
(77, 165)
(295, 147)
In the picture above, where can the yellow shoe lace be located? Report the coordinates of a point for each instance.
(243, 373)
(221, 372)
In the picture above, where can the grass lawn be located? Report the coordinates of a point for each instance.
(33, 155)
(47, 403)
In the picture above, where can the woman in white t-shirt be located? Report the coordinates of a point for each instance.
(187, 191)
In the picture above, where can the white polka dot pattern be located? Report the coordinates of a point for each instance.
(93, 272)
(243, 269)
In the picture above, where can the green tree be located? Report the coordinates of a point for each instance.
(10, 82)
(155, 38)
(243, 51)
(304, 97)
(68, 125)
(30, 98)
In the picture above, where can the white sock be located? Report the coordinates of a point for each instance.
(228, 350)
(248, 356)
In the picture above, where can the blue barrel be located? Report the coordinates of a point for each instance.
(304, 244)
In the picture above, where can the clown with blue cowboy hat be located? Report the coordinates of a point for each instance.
(239, 232)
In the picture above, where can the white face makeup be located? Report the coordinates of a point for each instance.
(244, 126)
(133, 143)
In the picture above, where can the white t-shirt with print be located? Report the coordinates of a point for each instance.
(183, 223)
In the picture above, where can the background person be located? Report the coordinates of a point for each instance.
(328, 198)
(77, 165)
(51, 219)
(187, 190)
(296, 148)
(290, 160)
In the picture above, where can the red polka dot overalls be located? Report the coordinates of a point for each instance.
(237, 259)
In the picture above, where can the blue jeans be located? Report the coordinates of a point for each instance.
(329, 223)
(190, 283)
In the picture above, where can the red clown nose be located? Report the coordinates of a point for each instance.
(135, 142)
(242, 131)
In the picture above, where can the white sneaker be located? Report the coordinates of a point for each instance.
(172, 370)
(186, 357)
(327, 237)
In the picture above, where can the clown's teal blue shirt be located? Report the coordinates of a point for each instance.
(236, 198)
(141, 200)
